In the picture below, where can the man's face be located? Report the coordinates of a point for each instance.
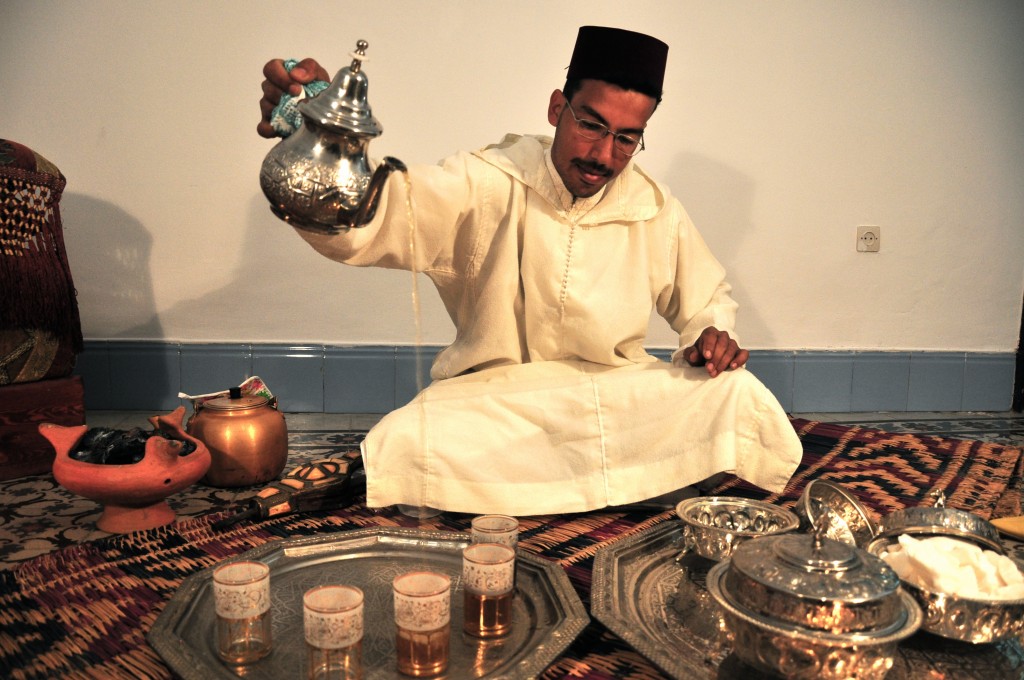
(586, 165)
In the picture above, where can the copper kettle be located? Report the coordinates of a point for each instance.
(246, 435)
(319, 179)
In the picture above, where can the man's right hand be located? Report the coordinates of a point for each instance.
(279, 81)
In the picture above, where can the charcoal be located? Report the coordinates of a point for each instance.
(107, 446)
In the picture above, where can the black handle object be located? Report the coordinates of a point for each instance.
(321, 485)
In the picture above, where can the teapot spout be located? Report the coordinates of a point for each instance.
(367, 207)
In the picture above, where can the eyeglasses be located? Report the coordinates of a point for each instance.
(591, 129)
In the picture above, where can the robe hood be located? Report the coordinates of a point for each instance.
(630, 197)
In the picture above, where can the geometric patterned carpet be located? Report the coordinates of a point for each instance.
(998, 428)
(890, 471)
(80, 607)
(38, 516)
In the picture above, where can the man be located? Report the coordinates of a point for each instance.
(549, 256)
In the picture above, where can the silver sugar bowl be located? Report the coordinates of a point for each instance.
(319, 178)
(949, 615)
(806, 606)
(714, 526)
(939, 520)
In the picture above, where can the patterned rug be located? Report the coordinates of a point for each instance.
(38, 516)
(84, 610)
(889, 471)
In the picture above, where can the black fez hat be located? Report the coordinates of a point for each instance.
(631, 60)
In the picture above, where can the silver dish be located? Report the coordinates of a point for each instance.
(808, 607)
(547, 613)
(939, 520)
(799, 653)
(664, 611)
(816, 584)
(962, 618)
(845, 519)
(714, 526)
(658, 606)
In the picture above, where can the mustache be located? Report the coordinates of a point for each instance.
(592, 167)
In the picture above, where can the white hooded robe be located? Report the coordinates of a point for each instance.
(547, 401)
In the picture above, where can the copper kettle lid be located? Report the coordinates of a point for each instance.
(235, 401)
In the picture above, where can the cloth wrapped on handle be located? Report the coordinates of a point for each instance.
(285, 118)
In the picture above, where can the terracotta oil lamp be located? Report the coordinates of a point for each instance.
(133, 495)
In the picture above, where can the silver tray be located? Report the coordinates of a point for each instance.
(663, 610)
(547, 612)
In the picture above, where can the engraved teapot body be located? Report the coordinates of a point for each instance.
(319, 178)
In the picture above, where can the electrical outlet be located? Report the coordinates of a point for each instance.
(869, 239)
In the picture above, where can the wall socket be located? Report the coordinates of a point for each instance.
(869, 239)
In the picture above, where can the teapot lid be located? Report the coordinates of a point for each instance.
(236, 401)
(343, 107)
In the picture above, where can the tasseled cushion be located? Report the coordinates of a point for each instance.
(40, 330)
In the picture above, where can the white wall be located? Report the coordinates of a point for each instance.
(785, 125)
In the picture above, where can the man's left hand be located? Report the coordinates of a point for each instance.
(716, 351)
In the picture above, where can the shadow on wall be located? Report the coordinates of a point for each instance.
(719, 200)
(264, 291)
(109, 252)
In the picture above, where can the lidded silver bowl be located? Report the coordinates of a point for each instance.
(807, 606)
(842, 515)
(713, 526)
(966, 619)
(938, 520)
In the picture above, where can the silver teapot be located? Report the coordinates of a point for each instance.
(319, 178)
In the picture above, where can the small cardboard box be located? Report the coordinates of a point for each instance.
(23, 406)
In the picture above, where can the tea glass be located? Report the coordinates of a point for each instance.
(241, 592)
(333, 625)
(495, 529)
(423, 622)
(488, 579)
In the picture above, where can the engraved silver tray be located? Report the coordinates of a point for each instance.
(662, 609)
(547, 612)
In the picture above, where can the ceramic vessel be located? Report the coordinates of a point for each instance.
(133, 496)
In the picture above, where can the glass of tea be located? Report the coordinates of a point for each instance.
(333, 624)
(423, 622)
(241, 593)
(495, 529)
(488, 581)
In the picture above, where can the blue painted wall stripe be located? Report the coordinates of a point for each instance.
(136, 375)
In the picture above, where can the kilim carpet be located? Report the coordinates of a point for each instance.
(890, 471)
(84, 611)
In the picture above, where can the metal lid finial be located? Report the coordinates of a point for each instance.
(343, 107)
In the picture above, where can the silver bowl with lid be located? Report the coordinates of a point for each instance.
(955, 617)
(938, 520)
(713, 526)
(844, 518)
(807, 606)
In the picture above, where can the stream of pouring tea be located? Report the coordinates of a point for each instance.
(422, 512)
(410, 214)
